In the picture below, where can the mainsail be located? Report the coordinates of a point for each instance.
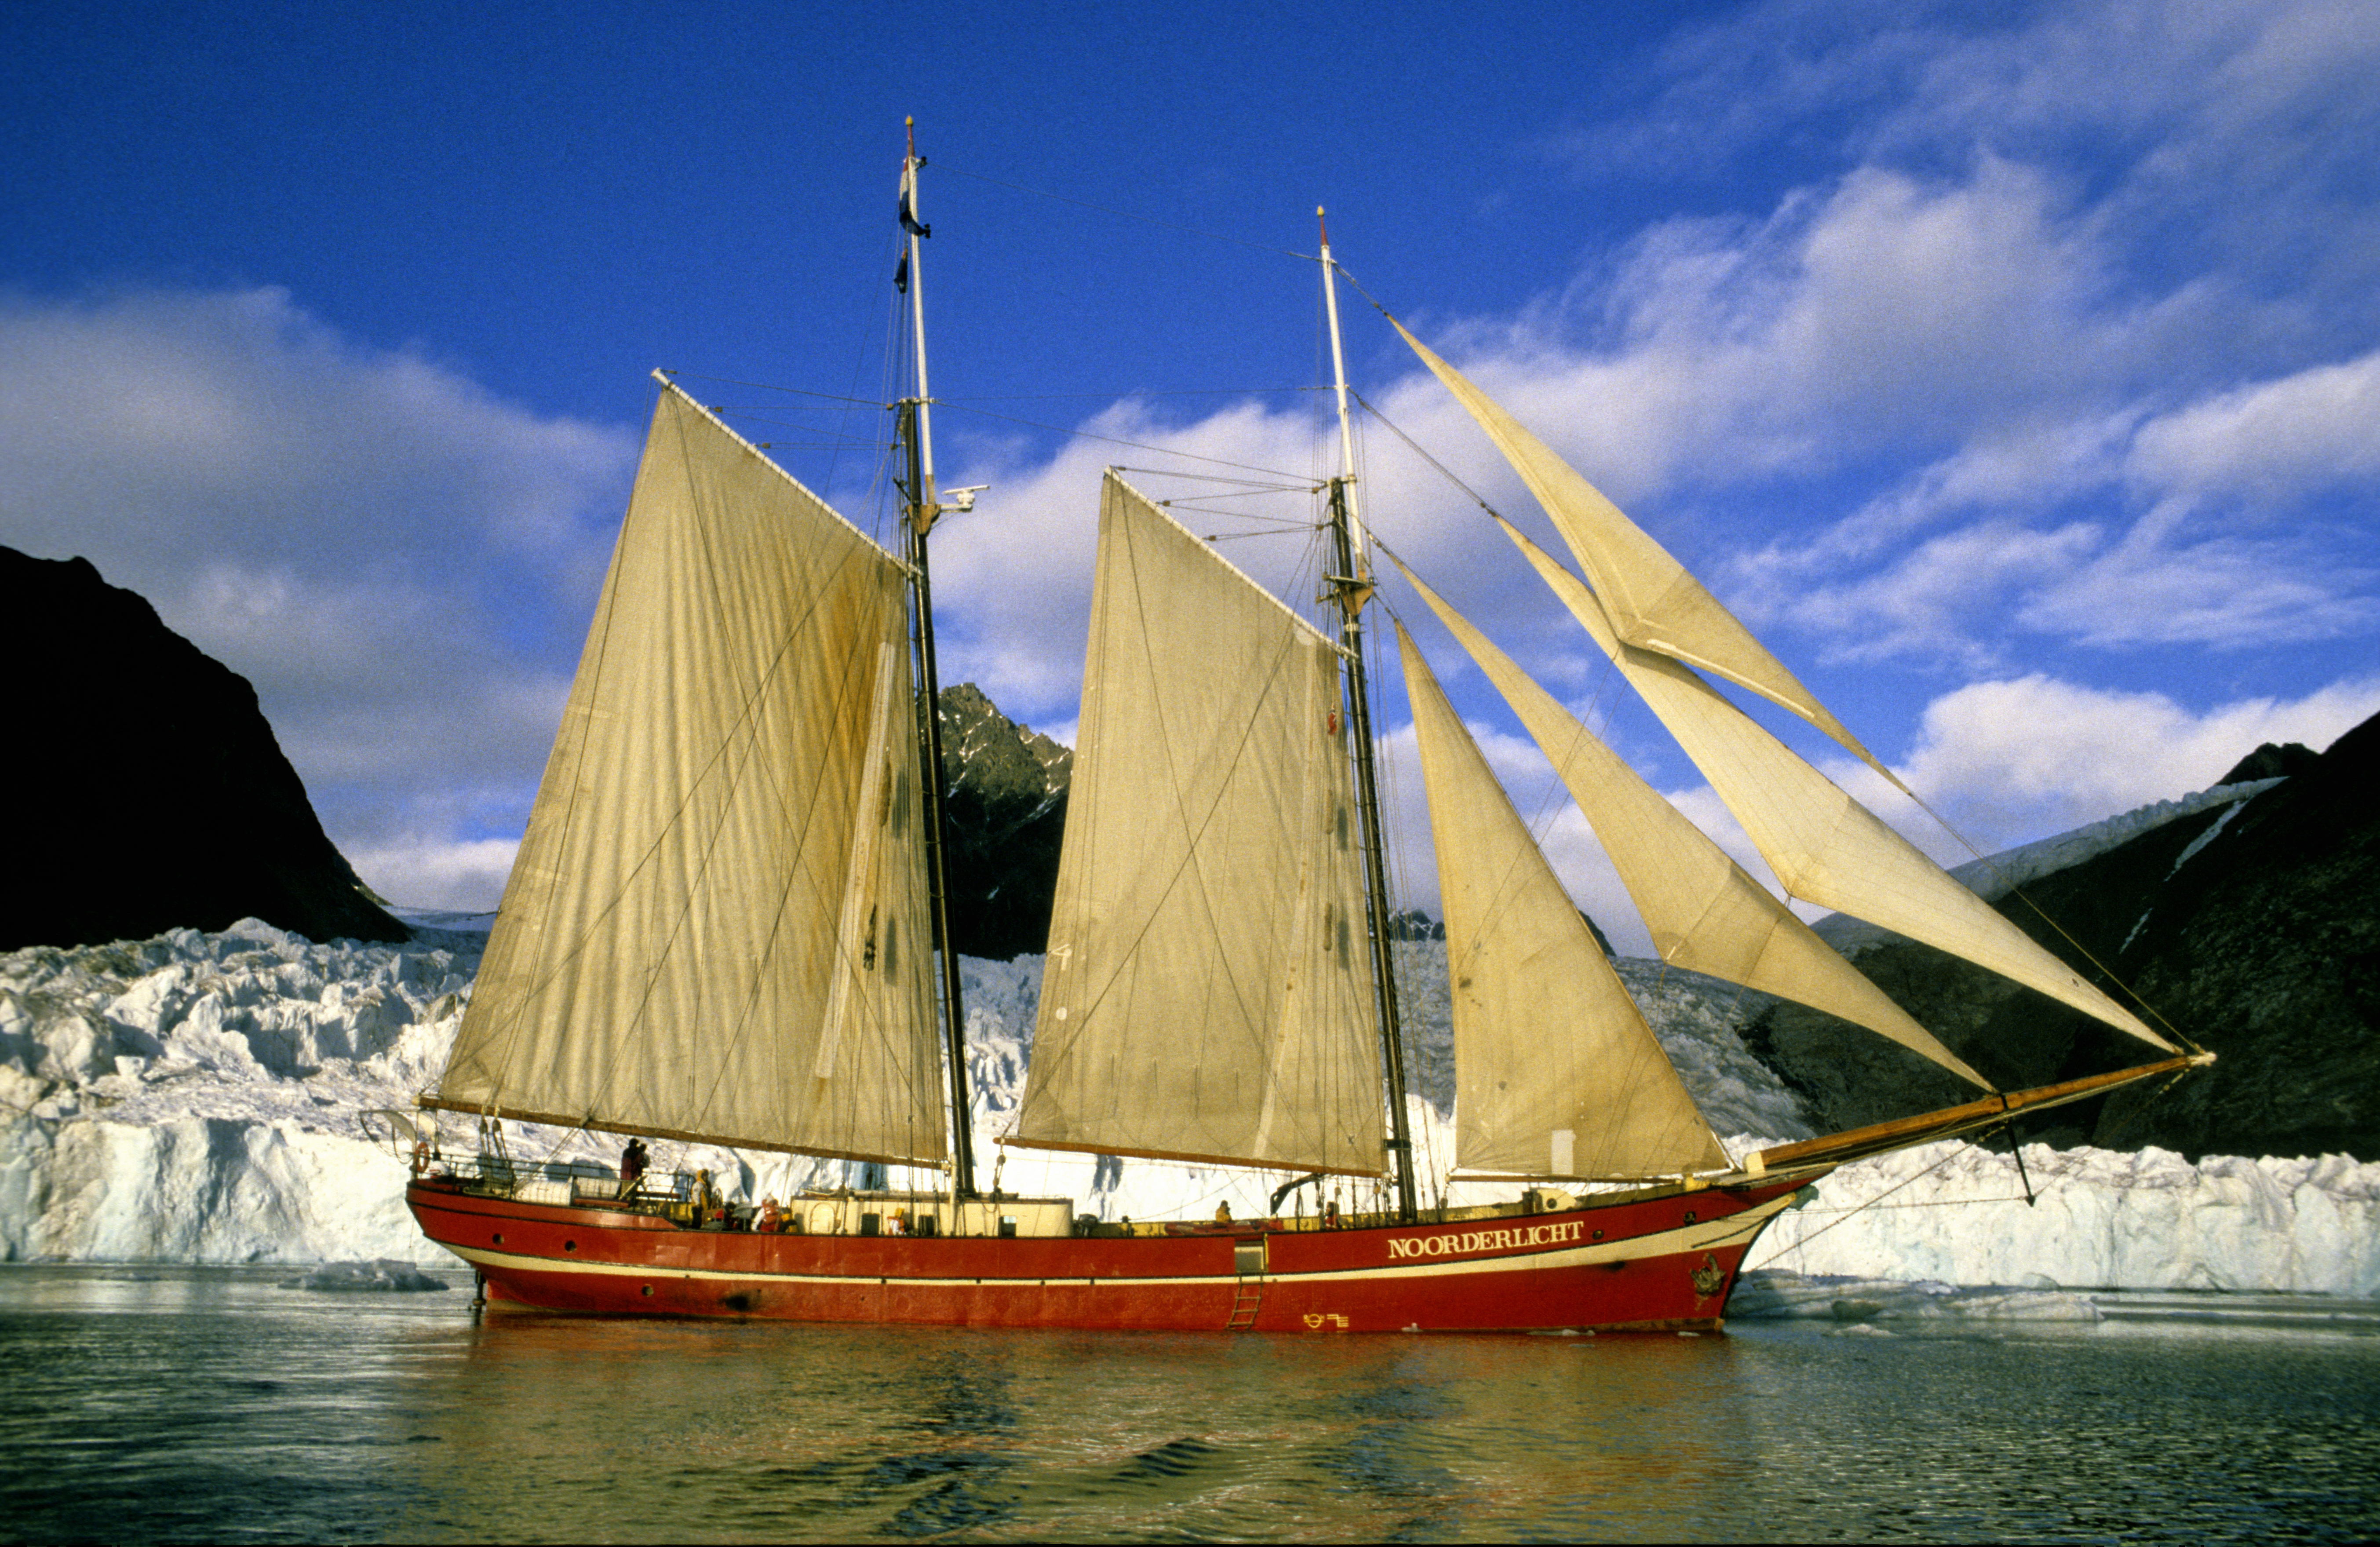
(1704, 912)
(1206, 994)
(718, 925)
(1557, 1072)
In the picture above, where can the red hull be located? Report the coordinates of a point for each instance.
(1662, 1261)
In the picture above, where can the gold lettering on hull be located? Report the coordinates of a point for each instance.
(1469, 1242)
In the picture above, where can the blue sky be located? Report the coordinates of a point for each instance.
(2015, 372)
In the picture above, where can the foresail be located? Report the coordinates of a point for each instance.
(1825, 847)
(1205, 993)
(1557, 1073)
(1704, 913)
(717, 927)
(1653, 601)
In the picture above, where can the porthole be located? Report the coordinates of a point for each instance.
(500, 1237)
(1689, 1216)
(570, 1245)
(1598, 1235)
(649, 1291)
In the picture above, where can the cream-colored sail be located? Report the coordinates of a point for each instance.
(1555, 1072)
(1206, 994)
(1704, 913)
(718, 926)
(1653, 601)
(1825, 847)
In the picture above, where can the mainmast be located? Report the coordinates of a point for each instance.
(922, 507)
(1353, 587)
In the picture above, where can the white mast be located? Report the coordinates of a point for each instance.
(1353, 586)
(928, 505)
(1339, 373)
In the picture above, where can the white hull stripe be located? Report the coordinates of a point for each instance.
(1706, 1236)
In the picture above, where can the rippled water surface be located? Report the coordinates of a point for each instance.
(184, 1402)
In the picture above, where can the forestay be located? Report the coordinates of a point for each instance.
(1555, 1072)
(718, 925)
(1704, 912)
(1825, 847)
(1205, 993)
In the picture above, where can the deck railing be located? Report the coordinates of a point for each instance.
(565, 1182)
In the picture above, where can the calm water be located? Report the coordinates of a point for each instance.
(209, 1403)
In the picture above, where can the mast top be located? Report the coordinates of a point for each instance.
(1358, 588)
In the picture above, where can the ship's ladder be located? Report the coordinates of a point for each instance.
(1248, 1263)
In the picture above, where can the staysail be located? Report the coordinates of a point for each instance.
(1825, 847)
(718, 925)
(1653, 601)
(1704, 912)
(1557, 1073)
(1206, 994)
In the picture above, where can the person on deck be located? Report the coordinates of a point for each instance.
(706, 1201)
(632, 1166)
(1223, 1212)
(771, 1218)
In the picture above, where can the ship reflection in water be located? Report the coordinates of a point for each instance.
(213, 1403)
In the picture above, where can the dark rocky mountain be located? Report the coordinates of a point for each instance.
(2252, 927)
(149, 793)
(1005, 813)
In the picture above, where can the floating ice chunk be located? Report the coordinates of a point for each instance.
(383, 1276)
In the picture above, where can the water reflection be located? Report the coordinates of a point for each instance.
(218, 1405)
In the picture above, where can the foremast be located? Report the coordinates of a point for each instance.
(921, 507)
(1352, 588)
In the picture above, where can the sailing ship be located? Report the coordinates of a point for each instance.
(726, 925)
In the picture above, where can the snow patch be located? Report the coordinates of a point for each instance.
(2213, 831)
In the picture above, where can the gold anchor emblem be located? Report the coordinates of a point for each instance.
(1709, 1278)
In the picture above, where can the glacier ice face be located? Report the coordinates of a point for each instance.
(2101, 1219)
(205, 1098)
(199, 1097)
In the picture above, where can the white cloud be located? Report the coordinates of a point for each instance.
(432, 871)
(2167, 561)
(2265, 442)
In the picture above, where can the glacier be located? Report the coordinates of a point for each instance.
(210, 1098)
